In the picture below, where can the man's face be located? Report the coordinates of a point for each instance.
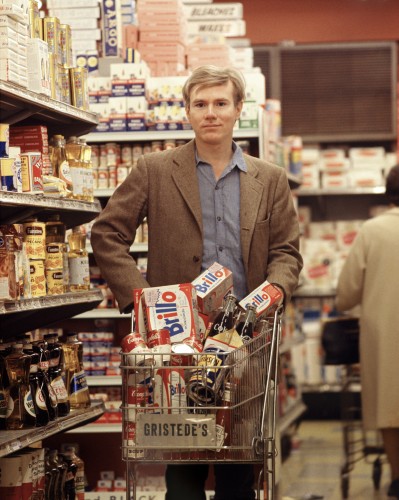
(213, 113)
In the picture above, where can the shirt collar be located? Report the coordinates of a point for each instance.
(237, 159)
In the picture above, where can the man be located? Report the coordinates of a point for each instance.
(370, 278)
(204, 202)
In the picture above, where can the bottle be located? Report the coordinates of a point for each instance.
(55, 230)
(38, 400)
(55, 373)
(78, 155)
(223, 419)
(246, 323)
(205, 382)
(224, 320)
(69, 486)
(52, 475)
(75, 377)
(80, 473)
(18, 364)
(50, 397)
(78, 261)
(4, 388)
(59, 160)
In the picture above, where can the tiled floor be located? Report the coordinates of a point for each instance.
(312, 470)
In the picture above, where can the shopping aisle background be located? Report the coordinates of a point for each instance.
(313, 467)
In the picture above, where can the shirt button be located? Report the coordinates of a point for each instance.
(196, 258)
(220, 249)
(216, 188)
(218, 219)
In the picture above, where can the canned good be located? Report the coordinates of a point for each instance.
(64, 84)
(169, 144)
(55, 281)
(126, 153)
(34, 235)
(159, 343)
(37, 278)
(54, 255)
(122, 172)
(112, 173)
(156, 146)
(103, 178)
(139, 354)
(79, 93)
(66, 45)
(51, 35)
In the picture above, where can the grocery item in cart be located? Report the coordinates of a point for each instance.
(173, 307)
(158, 342)
(212, 286)
(170, 390)
(139, 353)
(222, 338)
(266, 298)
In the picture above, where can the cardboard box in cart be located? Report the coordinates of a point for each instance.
(173, 307)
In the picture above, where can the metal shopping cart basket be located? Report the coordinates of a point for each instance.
(171, 415)
(340, 342)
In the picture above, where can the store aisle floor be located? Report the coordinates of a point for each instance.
(313, 467)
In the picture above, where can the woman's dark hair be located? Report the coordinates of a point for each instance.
(392, 185)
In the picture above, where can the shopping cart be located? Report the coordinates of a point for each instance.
(340, 342)
(194, 410)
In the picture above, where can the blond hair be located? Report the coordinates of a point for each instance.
(209, 76)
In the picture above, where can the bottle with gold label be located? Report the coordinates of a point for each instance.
(59, 160)
(78, 261)
(75, 376)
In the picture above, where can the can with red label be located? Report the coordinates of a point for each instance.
(182, 355)
(138, 352)
(159, 343)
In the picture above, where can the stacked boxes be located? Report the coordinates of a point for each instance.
(337, 168)
(162, 36)
(13, 42)
(84, 23)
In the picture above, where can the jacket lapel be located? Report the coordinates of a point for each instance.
(184, 175)
(250, 198)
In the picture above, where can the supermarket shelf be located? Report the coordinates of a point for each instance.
(15, 207)
(19, 316)
(104, 381)
(159, 136)
(341, 191)
(11, 441)
(323, 388)
(291, 415)
(97, 429)
(22, 106)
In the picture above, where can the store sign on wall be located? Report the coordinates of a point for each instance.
(175, 431)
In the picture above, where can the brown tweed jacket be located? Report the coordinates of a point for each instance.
(164, 189)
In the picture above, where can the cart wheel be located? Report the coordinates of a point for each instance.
(344, 482)
(377, 471)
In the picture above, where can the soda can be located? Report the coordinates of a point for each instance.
(159, 343)
(137, 351)
(182, 354)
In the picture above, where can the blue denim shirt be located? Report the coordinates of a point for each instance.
(220, 203)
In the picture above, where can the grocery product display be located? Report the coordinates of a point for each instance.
(84, 91)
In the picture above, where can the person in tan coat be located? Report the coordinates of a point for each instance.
(370, 278)
(205, 201)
